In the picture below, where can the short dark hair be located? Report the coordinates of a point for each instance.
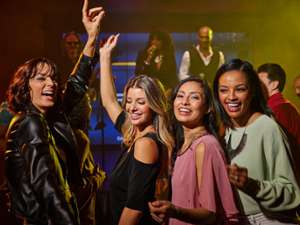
(275, 73)
(258, 102)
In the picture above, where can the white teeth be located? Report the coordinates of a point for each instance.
(48, 93)
(184, 110)
(233, 104)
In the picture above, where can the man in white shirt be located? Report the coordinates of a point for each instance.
(201, 60)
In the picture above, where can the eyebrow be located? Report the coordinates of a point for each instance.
(141, 98)
(43, 74)
(192, 92)
(238, 85)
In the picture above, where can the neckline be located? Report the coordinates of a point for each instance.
(250, 123)
(198, 134)
(242, 139)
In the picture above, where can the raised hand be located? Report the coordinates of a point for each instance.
(109, 45)
(91, 19)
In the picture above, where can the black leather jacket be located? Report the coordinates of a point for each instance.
(35, 158)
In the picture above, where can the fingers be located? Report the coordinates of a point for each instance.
(112, 41)
(156, 218)
(238, 176)
(154, 207)
(100, 16)
(85, 8)
(109, 40)
(92, 14)
(115, 40)
(94, 11)
(156, 211)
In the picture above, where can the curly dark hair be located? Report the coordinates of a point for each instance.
(18, 93)
(258, 102)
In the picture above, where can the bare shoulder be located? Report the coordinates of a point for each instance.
(146, 150)
(200, 148)
(211, 146)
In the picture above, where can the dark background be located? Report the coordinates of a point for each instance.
(33, 28)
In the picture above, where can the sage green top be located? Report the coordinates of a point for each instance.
(263, 151)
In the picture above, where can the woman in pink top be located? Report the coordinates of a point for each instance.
(201, 191)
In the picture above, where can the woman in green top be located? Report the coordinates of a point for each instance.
(260, 166)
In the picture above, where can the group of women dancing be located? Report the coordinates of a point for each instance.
(225, 156)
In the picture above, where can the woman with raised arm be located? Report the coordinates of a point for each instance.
(38, 153)
(256, 147)
(201, 191)
(142, 119)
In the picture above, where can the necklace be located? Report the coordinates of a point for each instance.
(233, 152)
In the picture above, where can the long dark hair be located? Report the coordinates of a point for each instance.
(18, 93)
(164, 37)
(258, 102)
(209, 119)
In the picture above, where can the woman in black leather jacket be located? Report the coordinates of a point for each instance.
(40, 139)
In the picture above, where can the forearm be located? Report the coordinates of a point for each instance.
(130, 217)
(89, 48)
(107, 87)
(194, 216)
(108, 92)
(276, 195)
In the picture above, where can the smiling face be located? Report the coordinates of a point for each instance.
(43, 88)
(190, 105)
(235, 97)
(138, 108)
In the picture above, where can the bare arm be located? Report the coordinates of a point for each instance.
(107, 86)
(145, 152)
(161, 210)
(130, 216)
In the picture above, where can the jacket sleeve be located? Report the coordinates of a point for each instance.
(35, 175)
(78, 82)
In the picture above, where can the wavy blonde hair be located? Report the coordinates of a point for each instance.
(157, 101)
